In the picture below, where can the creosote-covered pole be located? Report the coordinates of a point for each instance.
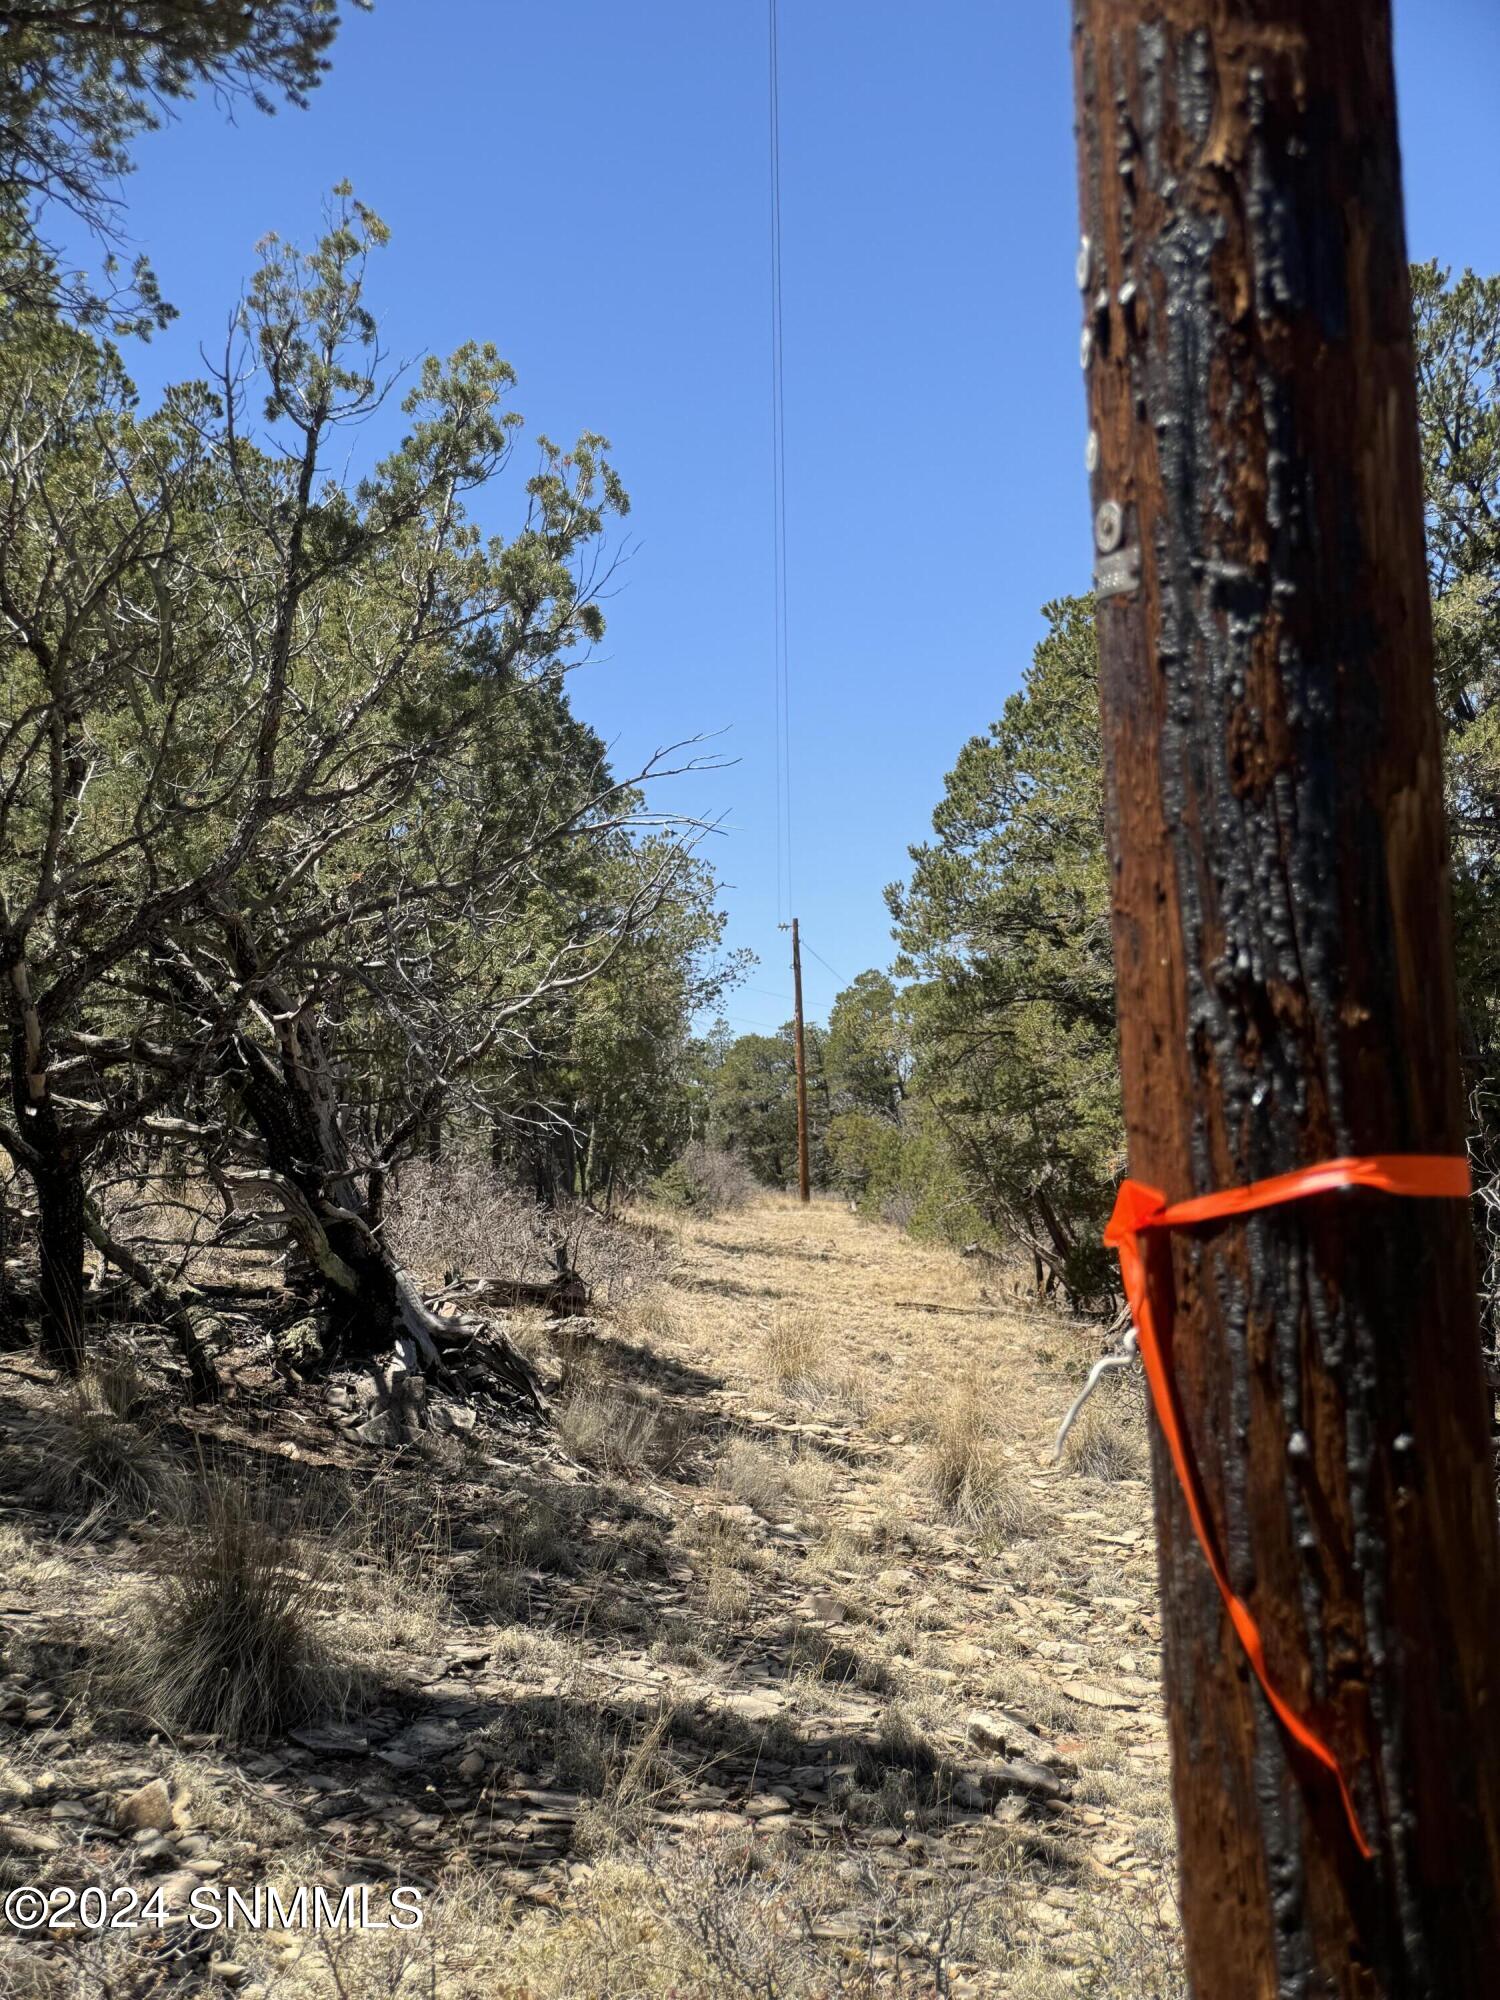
(1281, 932)
(804, 1181)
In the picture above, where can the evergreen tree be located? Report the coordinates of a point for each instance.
(1005, 926)
(81, 80)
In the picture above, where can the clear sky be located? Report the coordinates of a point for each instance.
(587, 185)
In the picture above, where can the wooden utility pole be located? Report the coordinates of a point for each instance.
(1281, 934)
(804, 1182)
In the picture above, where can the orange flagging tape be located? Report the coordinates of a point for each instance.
(1139, 1208)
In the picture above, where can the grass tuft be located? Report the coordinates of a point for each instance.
(1107, 1442)
(606, 1424)
(225, 1641)
(83, 1456)
(968, 1474)
(775, 1486)
(793, 1346)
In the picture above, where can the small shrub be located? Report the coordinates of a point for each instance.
(460, 1215)
(1132, 1951)
(705, 1180)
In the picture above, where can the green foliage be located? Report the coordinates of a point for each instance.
(79, 84)
(983, 1093)
(1456, 323)
(1457, 327)
(611, 1079)
(873, 1134)
(1005, 926)
(867, 1152)
(298, 829)
(750, 1089)
(869, 1051)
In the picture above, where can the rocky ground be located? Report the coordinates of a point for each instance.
(783, 1663)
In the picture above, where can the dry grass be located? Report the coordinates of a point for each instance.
(1128, 1955)
(539, 1532)
(615, 1428)
(725, 1560)
(775, 1485)
(629, 1772)
(653, 1316)
(29, 1566)
(834, 1658)
(706, 1180)
(807, 1590)
(729, 1919)
(460, 1218)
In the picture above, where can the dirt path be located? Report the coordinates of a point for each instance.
(1042, 1610)
(785, 1665)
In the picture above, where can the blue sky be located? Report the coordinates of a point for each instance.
(587, 184)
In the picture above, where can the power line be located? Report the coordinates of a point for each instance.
(781, 677)
(824, 963)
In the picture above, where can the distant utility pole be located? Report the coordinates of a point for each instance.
(804, 1180)
(1284, 966)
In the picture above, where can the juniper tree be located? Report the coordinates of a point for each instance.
(1004, 927)
(295, 802)
(81, 80)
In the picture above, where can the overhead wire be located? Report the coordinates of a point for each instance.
(781, 675)
(824, 963)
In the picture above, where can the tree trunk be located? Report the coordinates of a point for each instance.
(52, 1163)
(1281, 932)
(374, 1306)
(59, 1201)
(1062, 1245)
(166, 1301)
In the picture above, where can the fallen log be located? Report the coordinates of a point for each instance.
(564, 1297)
(964, 1312)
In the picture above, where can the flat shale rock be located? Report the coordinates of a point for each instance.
(332, 1739)
(148, 1809)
